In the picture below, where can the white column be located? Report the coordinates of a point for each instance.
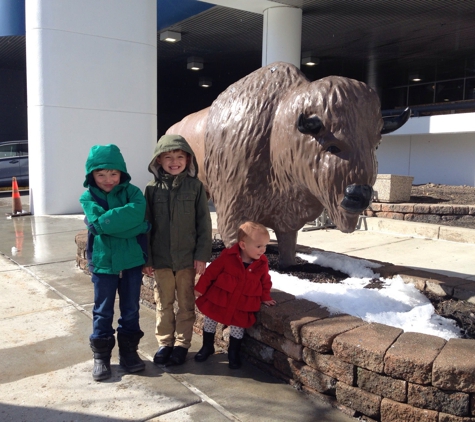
(92, 79)
(282, 35)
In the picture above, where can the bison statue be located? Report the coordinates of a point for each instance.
(277, 149)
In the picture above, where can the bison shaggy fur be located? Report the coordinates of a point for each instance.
(257, 165)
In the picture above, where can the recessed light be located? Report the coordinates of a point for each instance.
(170, 36)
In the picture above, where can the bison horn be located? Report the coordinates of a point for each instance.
(392, 123)
(310, 125)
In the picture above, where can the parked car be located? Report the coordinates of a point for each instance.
(14, 163)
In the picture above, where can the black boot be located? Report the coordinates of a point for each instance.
(234, 355)
(208, 347)
(178, 356)
(128, 356)
(102, 348)
(162, 355)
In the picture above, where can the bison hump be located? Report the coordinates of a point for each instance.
(240, 119)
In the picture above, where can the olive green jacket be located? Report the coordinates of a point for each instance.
(177, 208)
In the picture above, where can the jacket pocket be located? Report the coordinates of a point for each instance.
(226, 282)
(250, 299)
(249, 303)
(186, 203)
(160, 205)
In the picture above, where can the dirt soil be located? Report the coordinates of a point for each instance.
(431, 193)
(462, 312)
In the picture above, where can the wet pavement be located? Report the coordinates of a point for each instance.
(46, 362)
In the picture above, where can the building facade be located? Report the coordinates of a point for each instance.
(78, 73)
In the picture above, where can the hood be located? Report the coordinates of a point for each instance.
(170, 143)
(105, 157)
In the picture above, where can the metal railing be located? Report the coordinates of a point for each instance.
(433, 109)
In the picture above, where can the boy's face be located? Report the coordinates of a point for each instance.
(106, 179)
(173, 162)
(253, 247)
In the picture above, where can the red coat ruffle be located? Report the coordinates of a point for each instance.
(231, 294)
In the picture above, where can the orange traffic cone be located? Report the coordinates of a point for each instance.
(16, 200)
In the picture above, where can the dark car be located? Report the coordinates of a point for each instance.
(14, 163)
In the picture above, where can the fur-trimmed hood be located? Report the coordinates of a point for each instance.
(171, 143)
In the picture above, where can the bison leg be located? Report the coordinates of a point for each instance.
(287, 242)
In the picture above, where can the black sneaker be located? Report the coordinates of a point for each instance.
(162, 355)
(178, 356)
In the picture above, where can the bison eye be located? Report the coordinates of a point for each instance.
(309, 125)
(333, 149)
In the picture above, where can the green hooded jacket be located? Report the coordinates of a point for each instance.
(177, 208)
(114, 219)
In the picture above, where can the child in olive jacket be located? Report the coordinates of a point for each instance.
(115, 216)
(179, 243)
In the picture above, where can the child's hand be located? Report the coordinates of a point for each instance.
(197, 294)
(269, 302)
(147, 271)
(200, 267)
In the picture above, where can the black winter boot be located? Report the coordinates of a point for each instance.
(208, 347)
(162, 355)
(102, 348)
(178, 356)
(128, 356)
(234, 355)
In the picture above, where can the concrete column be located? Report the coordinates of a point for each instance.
(92, 79)
(282, 35)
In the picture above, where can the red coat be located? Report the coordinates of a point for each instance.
(231, 294)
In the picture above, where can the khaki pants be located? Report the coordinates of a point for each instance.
(174, 330)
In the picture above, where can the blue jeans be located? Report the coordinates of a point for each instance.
(105, 287)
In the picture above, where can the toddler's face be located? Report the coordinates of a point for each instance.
(173, 162)
(106, 179)
(253, 248)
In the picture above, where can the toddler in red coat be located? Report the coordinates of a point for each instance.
(232, 289)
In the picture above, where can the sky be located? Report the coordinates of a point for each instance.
(397, 304)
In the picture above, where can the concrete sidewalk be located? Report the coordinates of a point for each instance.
(46, 362)
(402, 243)
(46, 307)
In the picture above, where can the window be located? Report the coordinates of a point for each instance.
(8, 150)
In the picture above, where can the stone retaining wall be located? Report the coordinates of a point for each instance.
(367, 370)
(423, 213)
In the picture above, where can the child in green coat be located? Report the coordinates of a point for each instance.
(115, 216)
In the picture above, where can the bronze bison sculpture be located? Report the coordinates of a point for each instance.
(278, 149)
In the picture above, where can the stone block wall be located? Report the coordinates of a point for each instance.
(367, 370)
(421, 213)
(372, 371)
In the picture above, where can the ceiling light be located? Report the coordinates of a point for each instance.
(194, 63)
(205, 82)
(170, 36)
(414, 77)
(310, 61)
